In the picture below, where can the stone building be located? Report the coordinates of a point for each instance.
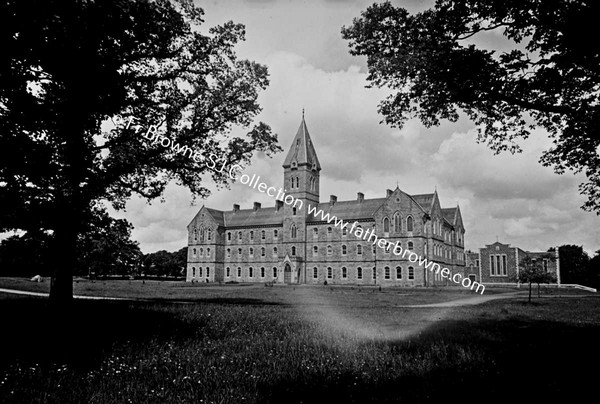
(286, 244)
(498, 263)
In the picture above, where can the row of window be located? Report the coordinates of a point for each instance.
(200, 272)
(387, 273)
(498, 265)
(397, 219)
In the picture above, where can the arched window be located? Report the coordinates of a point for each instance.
(398, 273)
(251, 272)
(374, 273)
(200, 272)
(228, 272)
(263, 235)
(409, 223)
(293, 230)
(411, 273)
(239, 235)
(329, 230)
(193, 272)
(229, 253)
(263, 251)
(209, 234)
(239, 253)
(294, 250)
(251, 252)
(274, 272)
(410, 245)
(315, 251)
(344, 273)
(228, 236)
(202, 233)
(239, 272)
(194, 252)
(315, 232)
(202, 252)
(262, 272)
(344, 232)
(387, 272)
(251, 235)
(274, 251)
(329, 250)
(208, 252)
(359, 273)
(344, 250)
(207, 272)
(397, 223)
(386, 225)
(315, 273)
(195, 234)
(275, 233)
(329, 273)
(294, 211)
(359, 249)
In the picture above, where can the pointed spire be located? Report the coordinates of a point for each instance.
(302, 151)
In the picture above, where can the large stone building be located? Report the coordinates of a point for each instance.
(286, 244)
(498, 263)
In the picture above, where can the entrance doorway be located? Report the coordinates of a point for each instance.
(287, 274)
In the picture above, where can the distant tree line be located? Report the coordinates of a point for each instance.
(576, 266)
(164, 263)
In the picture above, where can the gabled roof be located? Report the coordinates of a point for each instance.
(425, 200)
(251, 217)
(351, 210)
(449, 215)
(302, 151)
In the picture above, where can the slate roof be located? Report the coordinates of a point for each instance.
(302, 150)
(424, 200)
(351, 210)
(449, 214)
(250, 217)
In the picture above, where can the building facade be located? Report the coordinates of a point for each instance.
(286, 244)
(498, 263)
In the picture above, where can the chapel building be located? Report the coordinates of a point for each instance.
(286, 244)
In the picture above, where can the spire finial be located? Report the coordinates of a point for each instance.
(302, 113)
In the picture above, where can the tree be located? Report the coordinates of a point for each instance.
(72, 76)
(573, 263)
(550, 78)
(532, 271)
(165, 263)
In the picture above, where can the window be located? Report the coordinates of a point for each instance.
(202, 233)
(329, 273)
(202, 252)
(228, 236)
(263, 251)
(315, 251)
(344, 273)
(239, 253)
(294, 211)
(386, 225)
(344, 250)
(251, 235)
(194, 252)
(274, 272)
(388, 248)
(293, 250)
(229, 253)
(504, 265)
(262, 272)
(409, 223)
(293, 231)
(374, 249)
(398, 272)
(359, 249)
(411, 246)
(545, 263)
(200, 272)
(263, 235)
(329, 230)
(397, 223)
(473, 278)
(239, 235)
(239, 272)
(193, 272)
(195, 234)
(207, 272)
(251, 252)
(344, 232)
(209, 234)
(315, 232)
(251, 272)
(386, 272)
(315, 273)
(359, 273)
(208, 252)
(275, 233)
(227, 272)
(274, 251)
(329, 250)
(374, 273)
(411, 273)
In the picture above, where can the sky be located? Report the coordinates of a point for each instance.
(509, 198)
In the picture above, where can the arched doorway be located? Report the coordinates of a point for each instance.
(287, 273)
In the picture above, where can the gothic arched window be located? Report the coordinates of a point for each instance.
(386, 225)
(397, 223)
(293, 231)
(409, 223)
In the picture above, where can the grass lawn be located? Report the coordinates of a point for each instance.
(252, 344)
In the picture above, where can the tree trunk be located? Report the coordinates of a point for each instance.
(63, 265)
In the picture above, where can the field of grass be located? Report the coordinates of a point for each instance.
(252, 344)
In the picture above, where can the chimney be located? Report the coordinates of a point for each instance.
(389, 192)
(360, 196)
(278, 205)
(332, 200)
(256, 206)
(236, 207)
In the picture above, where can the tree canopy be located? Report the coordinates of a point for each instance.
(72, 73)
(550, 79)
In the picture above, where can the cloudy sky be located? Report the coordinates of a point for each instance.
(508, 197)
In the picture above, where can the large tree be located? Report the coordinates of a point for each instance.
(68, 67)
(550, 79)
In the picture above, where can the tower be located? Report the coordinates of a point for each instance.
(301, 170)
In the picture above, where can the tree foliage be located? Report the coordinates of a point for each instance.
(550, 79)
(576, 266)
(163, 263)
(532, 271)
(72, 73)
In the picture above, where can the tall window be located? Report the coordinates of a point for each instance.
(195, 234)
(344, 250)
(411, 246)
(251, 235)
(274, 272)
(374, 273)
(293, 250)
(411, 273)
(239, 253)
(263, 251)
(193, 272)
(239, 272)
(251, 272)
(228, 272)
(315, 273)
(294, 211)
(251, 252)
(208, 252)
(409, 223)
(209, 234)
(228, 236)
(274, 251)
(329, 230)
(194, 252)
(229, 253)
(315, 251)
(498, 265)
(344, 232)
(374, 249)
(293, 231)
(202, 233)
(386, 225)
(544, 263)
(359, 249)
(329, 273)
(275, 233)
(263, 234)
(387, 272)
(200, 272)
(344, 273)
(359, 273)
(207, 272)
(239, 236)
(202, 252)
(315, 232)
(329, 250)
(262, 272)
(397, 223)
(398, 272)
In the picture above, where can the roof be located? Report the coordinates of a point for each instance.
(351, 210)
(251, 217)
(302, 150)
(425, 200)
(449, 214)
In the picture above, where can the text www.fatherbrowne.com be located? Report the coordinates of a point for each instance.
(212, 162)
